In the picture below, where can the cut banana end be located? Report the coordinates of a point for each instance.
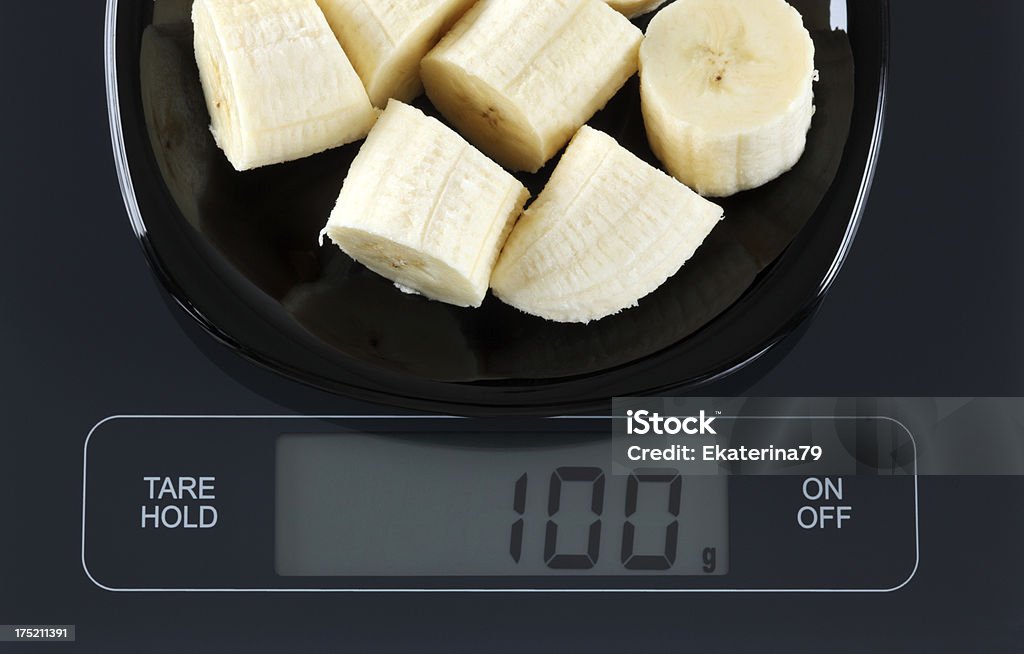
(607, 230)
(727, 91)
(278, 86)
(387, 39)
(519, 77)
(631, 8)
(425, 209)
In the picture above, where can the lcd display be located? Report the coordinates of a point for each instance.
(359, 505)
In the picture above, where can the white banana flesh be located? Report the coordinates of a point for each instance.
(387, 39)
(278, 85)
(425, 209)
(727, 91)
(632, 8)
(607, 230)
(519, 77)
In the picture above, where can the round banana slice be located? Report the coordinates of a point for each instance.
(726, 91)
(517, 78)
(386, 39)
(607, 230)
(278, 86)
(425, 209)
(632, 8)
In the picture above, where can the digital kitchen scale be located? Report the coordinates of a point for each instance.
(161, 493)
(239, 251)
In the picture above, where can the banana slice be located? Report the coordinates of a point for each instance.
(519, 77)
(632, 8)
(278, 86)
(386, 39)
(726, 91)
(425, 209)
(607, 230)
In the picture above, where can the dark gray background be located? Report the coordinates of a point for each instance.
(928, 304)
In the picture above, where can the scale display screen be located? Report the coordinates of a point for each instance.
(356, 504)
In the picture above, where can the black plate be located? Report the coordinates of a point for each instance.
(239, 250)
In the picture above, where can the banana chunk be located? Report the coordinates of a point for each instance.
(425, 209)
(727, 93)
(519, 77)
(387, 39)
(632, 8)
(607, 230)
(278, 86)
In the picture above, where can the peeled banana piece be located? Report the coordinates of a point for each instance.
(727, 93)
(386, 39)
(425, 209)
(607, 230)
(632, 8)
(278, 85)
(517, 78)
